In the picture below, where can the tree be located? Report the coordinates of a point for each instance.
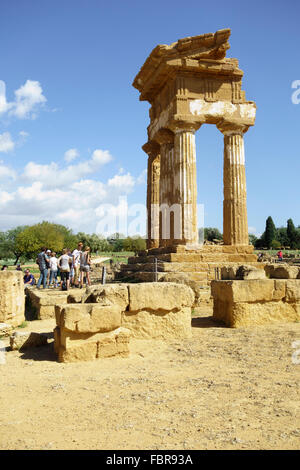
(293, 236)
(9, 243)
(94, 241)
(33, 238)
(135, 243)
(212, 233)
(282, 236)
(252, 239)
(270, 232)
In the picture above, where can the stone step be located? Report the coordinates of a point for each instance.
(196, 258)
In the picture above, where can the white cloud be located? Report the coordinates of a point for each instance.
(4, 106)
(101, 157)
(126, 182)
(51, 175)
(6, 142)
(6, 173)
(252, 230)
(141, 179)
(23, 134)
(71, 155)
(28, 98)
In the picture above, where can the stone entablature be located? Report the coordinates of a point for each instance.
(190, 83)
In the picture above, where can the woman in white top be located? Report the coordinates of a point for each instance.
(64, 262)
(53, 269)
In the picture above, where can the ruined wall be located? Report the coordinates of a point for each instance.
(256, 301)
(12, 298)
(102, 322)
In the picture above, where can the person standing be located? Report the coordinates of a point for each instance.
(64, 262)
(76, 262)
(43, 263)
(279, 255)
(85, 262)
(53, 270)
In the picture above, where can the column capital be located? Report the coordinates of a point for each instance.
(179, 127)
(164, 136)
(233, 127)
(152, 148)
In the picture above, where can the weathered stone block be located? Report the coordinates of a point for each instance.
(282, 271)
(5, 329)
(158, 324)
(159, 296)
(89, 318)
(293, 290)
(114, 294)
(74, 347)
(12, 298)
(26, 339)
(241, 272)
(251, 302)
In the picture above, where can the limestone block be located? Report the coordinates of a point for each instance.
(158, 324)
(241, 272)
(109, 294)
(86, 351)
(256, 302)
(26, 339)
(45, 311)
(12, 298)
(89, 347)
(56, 334)
(282, 271)
(245, 314)
(159, 296)
(293, 290)
(75, 296)
(89, 318)
(5, 329)
(252, 290)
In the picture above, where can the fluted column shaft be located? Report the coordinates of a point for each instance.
(153, 182)
(166, 194)
(185, 186)
(235, 223)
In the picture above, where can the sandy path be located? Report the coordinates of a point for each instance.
(223, 389)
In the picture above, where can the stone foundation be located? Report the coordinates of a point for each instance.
(256, 301)
(42, 302)
(86, 332)
(193, 266)
(100, 323)
(12, 299)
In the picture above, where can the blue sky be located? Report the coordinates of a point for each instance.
(72, 126)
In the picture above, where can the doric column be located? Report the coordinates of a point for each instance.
(185, 186)
(235, 223)
(166, 140)
(153, 177)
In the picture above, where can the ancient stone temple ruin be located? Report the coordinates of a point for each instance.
(190, 83)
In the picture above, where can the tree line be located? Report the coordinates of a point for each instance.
(280, 237)
(24, 242)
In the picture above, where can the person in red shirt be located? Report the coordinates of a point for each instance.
(279, 255)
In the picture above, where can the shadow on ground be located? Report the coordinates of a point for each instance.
(206, 322)
(41, 353)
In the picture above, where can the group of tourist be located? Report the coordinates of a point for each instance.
(72, 267)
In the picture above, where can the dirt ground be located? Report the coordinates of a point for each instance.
(222, 389)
